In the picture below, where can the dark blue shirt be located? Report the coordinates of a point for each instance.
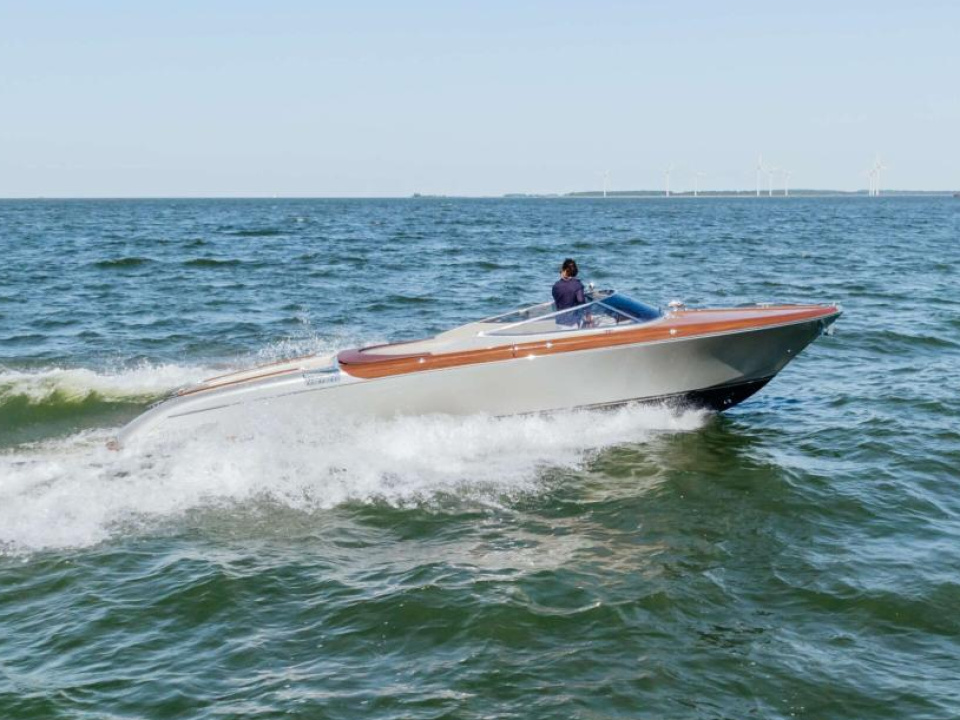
(568, 293)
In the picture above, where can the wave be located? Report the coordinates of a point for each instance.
(884, 339)
(75, 493)
(211, 262)
(395, 299)
(57, 394)
(125, 262)
(87, 397)
(263, 232)
(487, 265)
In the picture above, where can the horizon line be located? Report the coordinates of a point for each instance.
(572, 195)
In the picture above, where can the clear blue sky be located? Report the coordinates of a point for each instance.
(486, 97)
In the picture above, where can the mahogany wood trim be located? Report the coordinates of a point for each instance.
(685, 323)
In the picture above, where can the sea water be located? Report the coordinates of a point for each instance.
(798, 556)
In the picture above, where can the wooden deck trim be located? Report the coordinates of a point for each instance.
(361, 363)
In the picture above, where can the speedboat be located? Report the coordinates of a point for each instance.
(610, 351)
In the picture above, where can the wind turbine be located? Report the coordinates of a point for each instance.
(786, 182)
(759, 170)
(770, 173)
(878, 168)
(605, 174)
(666, 180)
(696, 182)
(871, 180)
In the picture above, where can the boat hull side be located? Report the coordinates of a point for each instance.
(714, 371)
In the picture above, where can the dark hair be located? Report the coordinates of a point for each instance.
(570, 266)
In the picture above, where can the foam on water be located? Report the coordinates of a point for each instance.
(146, 379)
(309, 342)
(140, 381)
(82, 397)
(74, 492)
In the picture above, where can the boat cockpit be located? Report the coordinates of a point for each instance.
(603, 309)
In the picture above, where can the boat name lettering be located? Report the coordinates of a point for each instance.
(320, 377)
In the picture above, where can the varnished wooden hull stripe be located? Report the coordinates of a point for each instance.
(361, 364)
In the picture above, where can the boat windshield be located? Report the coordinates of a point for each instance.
(603, 310)
(640, 311)
(527, 313)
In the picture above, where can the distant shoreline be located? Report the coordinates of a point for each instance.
(579, 195)
(634, 194)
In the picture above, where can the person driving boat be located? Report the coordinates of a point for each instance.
(568, 292)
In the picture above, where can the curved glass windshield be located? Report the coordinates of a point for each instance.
(515, 316)
(611, 311)
(634, 308)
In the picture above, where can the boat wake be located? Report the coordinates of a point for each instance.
(73, 492)
(39, 402)
(34, 396)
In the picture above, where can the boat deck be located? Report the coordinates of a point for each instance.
(478, 347)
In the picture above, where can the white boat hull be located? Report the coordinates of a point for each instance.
(716, 370)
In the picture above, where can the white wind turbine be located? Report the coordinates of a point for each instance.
(666, 180)
(770, 173)
(871, 180)
(605, 174)
(786, 182)
(878, 168)
(759, 170)
(696, 182)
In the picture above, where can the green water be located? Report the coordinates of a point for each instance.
(796, 557)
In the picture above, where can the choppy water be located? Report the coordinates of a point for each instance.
(797, 557)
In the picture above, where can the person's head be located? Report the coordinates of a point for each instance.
(569, 268)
